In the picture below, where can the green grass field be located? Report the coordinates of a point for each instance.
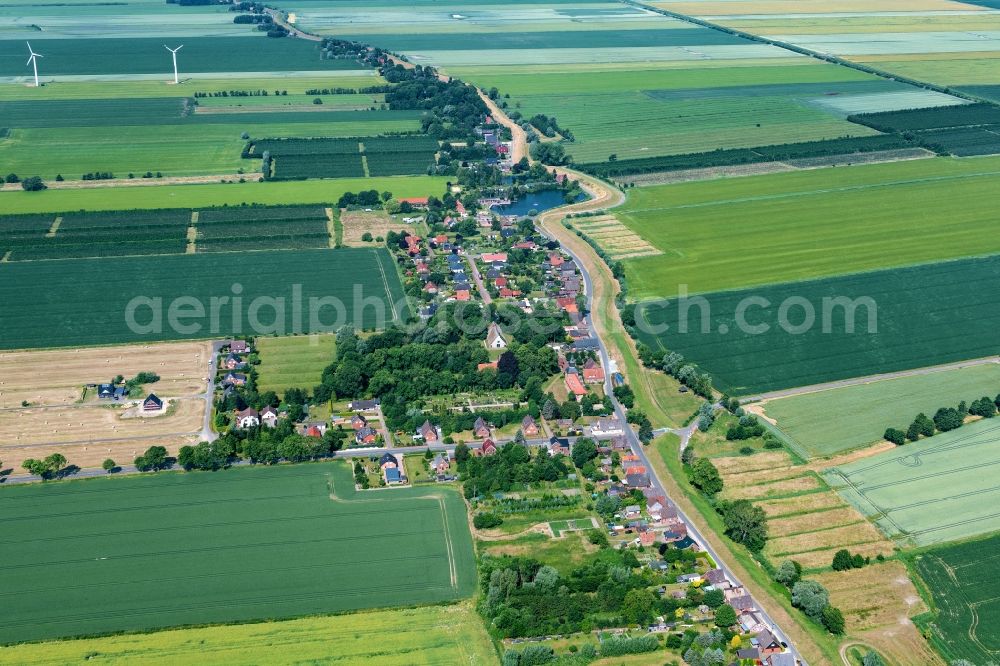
(138, 553)
(293, 362)
(195, 196)
(174, 150)
(676, 111)
(938, 489)
(829, 422)
(440, 635)
(81, 302)
(251, 53)
(964, 581)
(741, 232)
(904, 318)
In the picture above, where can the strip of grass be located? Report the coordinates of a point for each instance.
(195, 196)
(445, 635)
(138, 553)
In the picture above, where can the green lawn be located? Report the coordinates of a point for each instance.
(829, 422)
(293, 362)
(139, 553)
(742, 232)
(68, 302)
(444, 635)
(936, 490)
(195, 196)
(763, 339)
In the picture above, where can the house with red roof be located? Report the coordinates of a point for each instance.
(575, 386)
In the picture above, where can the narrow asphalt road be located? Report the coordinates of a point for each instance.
(478, 279)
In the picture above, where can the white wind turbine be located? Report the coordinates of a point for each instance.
(174, 53)
(33, 60)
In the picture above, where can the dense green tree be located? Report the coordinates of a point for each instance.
(842, 561)
(705, 477)
(725, 616)
(811, 597)
(746, 523)
(833, 620)
(788, 573)
(583, 451)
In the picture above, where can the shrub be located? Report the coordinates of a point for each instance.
(484, 521)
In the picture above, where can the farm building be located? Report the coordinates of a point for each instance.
(152, 403)
(575, 386)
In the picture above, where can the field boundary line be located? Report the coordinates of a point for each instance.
(385, 283)
(364, 166)
(54, 228)
(331, 227)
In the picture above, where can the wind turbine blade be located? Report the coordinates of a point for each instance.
(30, 58)
(29, 47)
(180, 47)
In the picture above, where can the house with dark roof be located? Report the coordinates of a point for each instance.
(767, 643)
(269, 416)
(480, 429)
(358, 421)
(366, 435)
(388, 460)
(781, 659)
(105, 391)
(637, 480)
(392, 475)
(427, 432)
(152, 403)
(363, 406)
(234, 379)
(239, 347)
(528, 426)
(487, 448)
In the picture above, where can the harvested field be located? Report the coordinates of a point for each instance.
(57, 376)
(879, 594)
(91, 454)
(763, 460)
(793, 505)
(71, 423)
(792, 486)
(811, 522)
(615, 238)
(821, 559)
(761, 477)
(839, 537)
(377, 223)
